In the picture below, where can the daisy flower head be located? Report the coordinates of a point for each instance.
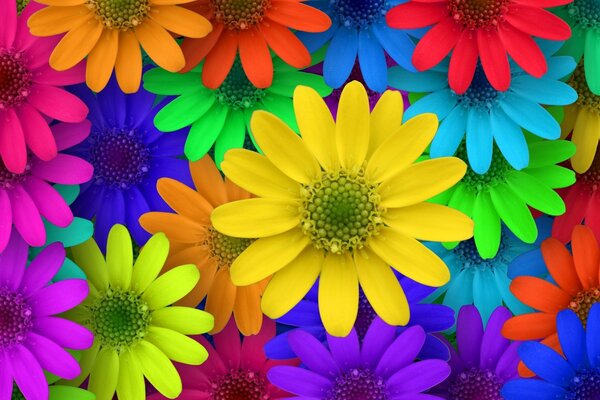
(251, 29)
(221, 117)
(136, 331)
(485, 32)
(29, 204)
(574, 373)
(33, 338)
(236, 368)
(381, 367)
(342, 203)
(433, 318)
(129, 155)
(486, 115)
(505, 195)
(109, 33)
(31, 93)
(195, 241)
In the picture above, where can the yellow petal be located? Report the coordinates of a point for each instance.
(316, 126)
(87, 362)
(421, 181)
(353, 126)
(171, 286)
(382, 288)
(266, 256)
(160, 46)
(128, 66)
(428, 221)
(75, 45)
(290, 284)
(402, 148)
(585, 137)
(119, 257)
(221, 299)
(131, 384)
(90, 259)
(149, 263)
(181, 21)
(104, 374)
(254, 218)
(56, 20)
(257, 174)
(409, 257)
(246, 311)
(176, 346)
(157, 368)
(338, 294)
(566, 127)
(186, 320)
(386, 118)
(102, 59)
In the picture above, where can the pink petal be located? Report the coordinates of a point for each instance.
(48, 76)
(463, 63)
(26, 217)
(57, 103)
(39, 54)
(64, 169)
(8, 27)
(6, 379)
(28, 374)
(59, 297)
(253, 354)
(43, 268)
(52, 357)
(12, 142)
(6, 220)
(49, 202)
(24, 39)
(228, 344)
(64, 332)
(523, 49)
(13, 261)
(38, 135)
(494, 59)
(436, 44)
(68, 135)
(214, 366)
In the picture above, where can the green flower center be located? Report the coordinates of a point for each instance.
(586, 99)
(590, 179)
(21, 4)
(340, 211)
(120, 14)
(237, 91)
(476, 14)
(225, 249)
(119, 318)
(499, 168)
(16, 394)
(585, 13)
(583, 302)
(240, 14)
(240, 384)
(15, 79)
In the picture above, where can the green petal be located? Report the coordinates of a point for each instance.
(69, 270)
(158, 369)
(186, 320)
(487, 226)
(149, 263)
(554, 176)
(69, 393)
(514, 212)
(232, 136)
(535, 194)
(76, 233)
(68, 192)
(283, 107)
(247, 117)
(575, 45)
(414, 97)
(592, 61)
(463, 199)
(557, 112)
(285, 83)
(159, 81)
(183, 111)
(171, 286)
(130, 385)
(204, 132)
(104, 375)
(549, 152)
(176, 346)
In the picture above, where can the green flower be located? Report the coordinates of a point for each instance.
(221, 117)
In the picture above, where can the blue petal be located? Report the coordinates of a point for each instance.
(546, 363)
(314, 41)
(372, 61)
(593, 336)
(110, 212)
(431, 317)
(559, 67)
(418, 82)
(439, 103)
(479, 140)
(397, 44)
(531, 389)
(572, 338)
(544, 224)
(528, 264)
(549, 47)
(486, 296)
(340, 57)
(450, 134)
(305, 313)
(113, 103)
(544, 91)
(135, 206)
(510, 139)
(433, 348)
(530, 116)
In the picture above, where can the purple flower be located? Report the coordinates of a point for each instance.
(381, 368)
(31, 337)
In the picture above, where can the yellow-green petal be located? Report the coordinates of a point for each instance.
(176, 346)
(119, 257)
(90, 259)
(150, 261)
(171, 286)
(104, 374)
(186, 320)
(131, 385)
(58, 392)
(158, 369)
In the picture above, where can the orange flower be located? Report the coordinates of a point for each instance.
(252, 27)
(194, 240)
(111, 31)
(576, 288)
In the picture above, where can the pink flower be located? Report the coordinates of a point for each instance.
(30, 91)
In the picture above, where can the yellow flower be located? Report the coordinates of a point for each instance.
(343, 203)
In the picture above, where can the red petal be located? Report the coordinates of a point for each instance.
(463, 63)
(494, 59)
(256, 58)
(219, 61)
(285, 44)
(523, 49)
(195, 50)
(414, 15)
(436, 44)
(539, 22)
(543, 3)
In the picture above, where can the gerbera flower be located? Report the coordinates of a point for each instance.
(360, 33)
(30, 92)
(32, 338)
(483, 361)
(582, 120)
(573, 373)
(221, 117)
(342, 203)
(432, 318)
(57, 391)
(195, 241)
(484, 281)
(251, 29)
(488, 115)
(484, 31)
(129, 155)
(136, 333)
(574, 286)
(381, 367)
(110, 33)
(505, 195)
(235, 369)
(29, 202)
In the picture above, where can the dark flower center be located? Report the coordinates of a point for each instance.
(469, 256)
(475, 384)
(585, 13)
(365, 316)
(240, 14)
(225, 249)
(240, 384)
(358, 13)
(495, 174)
(237, 91)
(476, 14)
(358, 384)
(586, 98)
(120, 157)
(120, 14)
(9, 180)
(356, 75)
(585, 386)
(583, 302)
(15, 79)
(16, 318)
(480, 94)
(590, 179)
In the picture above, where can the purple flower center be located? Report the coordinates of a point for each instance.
(481, 94)
(356, 75)
(120, 157)
(15, 318)
(358, 13)
(475, 384)
(358, 384)
(15, 79)
(9, 180)
(240, 384)
(365, 316)
(585, 386)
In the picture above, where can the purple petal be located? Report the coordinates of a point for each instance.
(110, 212)
(418, 377)
(6, 379)
(28, 374)
(432, 317)
(170, 145)
(136, 206)
(13, 261)
(299, 381)
(506, 368)
(305, 313)
(64, 332)
(139, 105)
(312, 353)
(378, 338)
(59, 297)
(414, 291)
(43, 268)
(434, 348)
(52, 357)
(402, 352)
(469, 332)
(346, 350)
(493, 343)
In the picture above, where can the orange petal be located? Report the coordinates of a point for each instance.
(532, 326)
(256, 58)
(286, 45)
(560, 265)
(196, 49)
(184, 200)
(75, 45)
(234, 192)
(221, 299)
(247, 312)
(128, 67)
(219, 61)
(208, 181)
(181, 21)
(586, 256)
(539, 294)
(56, 20)
(299, 16)
(175, 226)
(160, 45)
(102, 59)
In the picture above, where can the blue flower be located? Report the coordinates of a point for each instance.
(487, 115)
(359, 30)
(574, 376)
(431, 317)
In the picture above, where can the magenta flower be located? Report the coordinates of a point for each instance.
(32, 339)
(28, 196)
(30, 91)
